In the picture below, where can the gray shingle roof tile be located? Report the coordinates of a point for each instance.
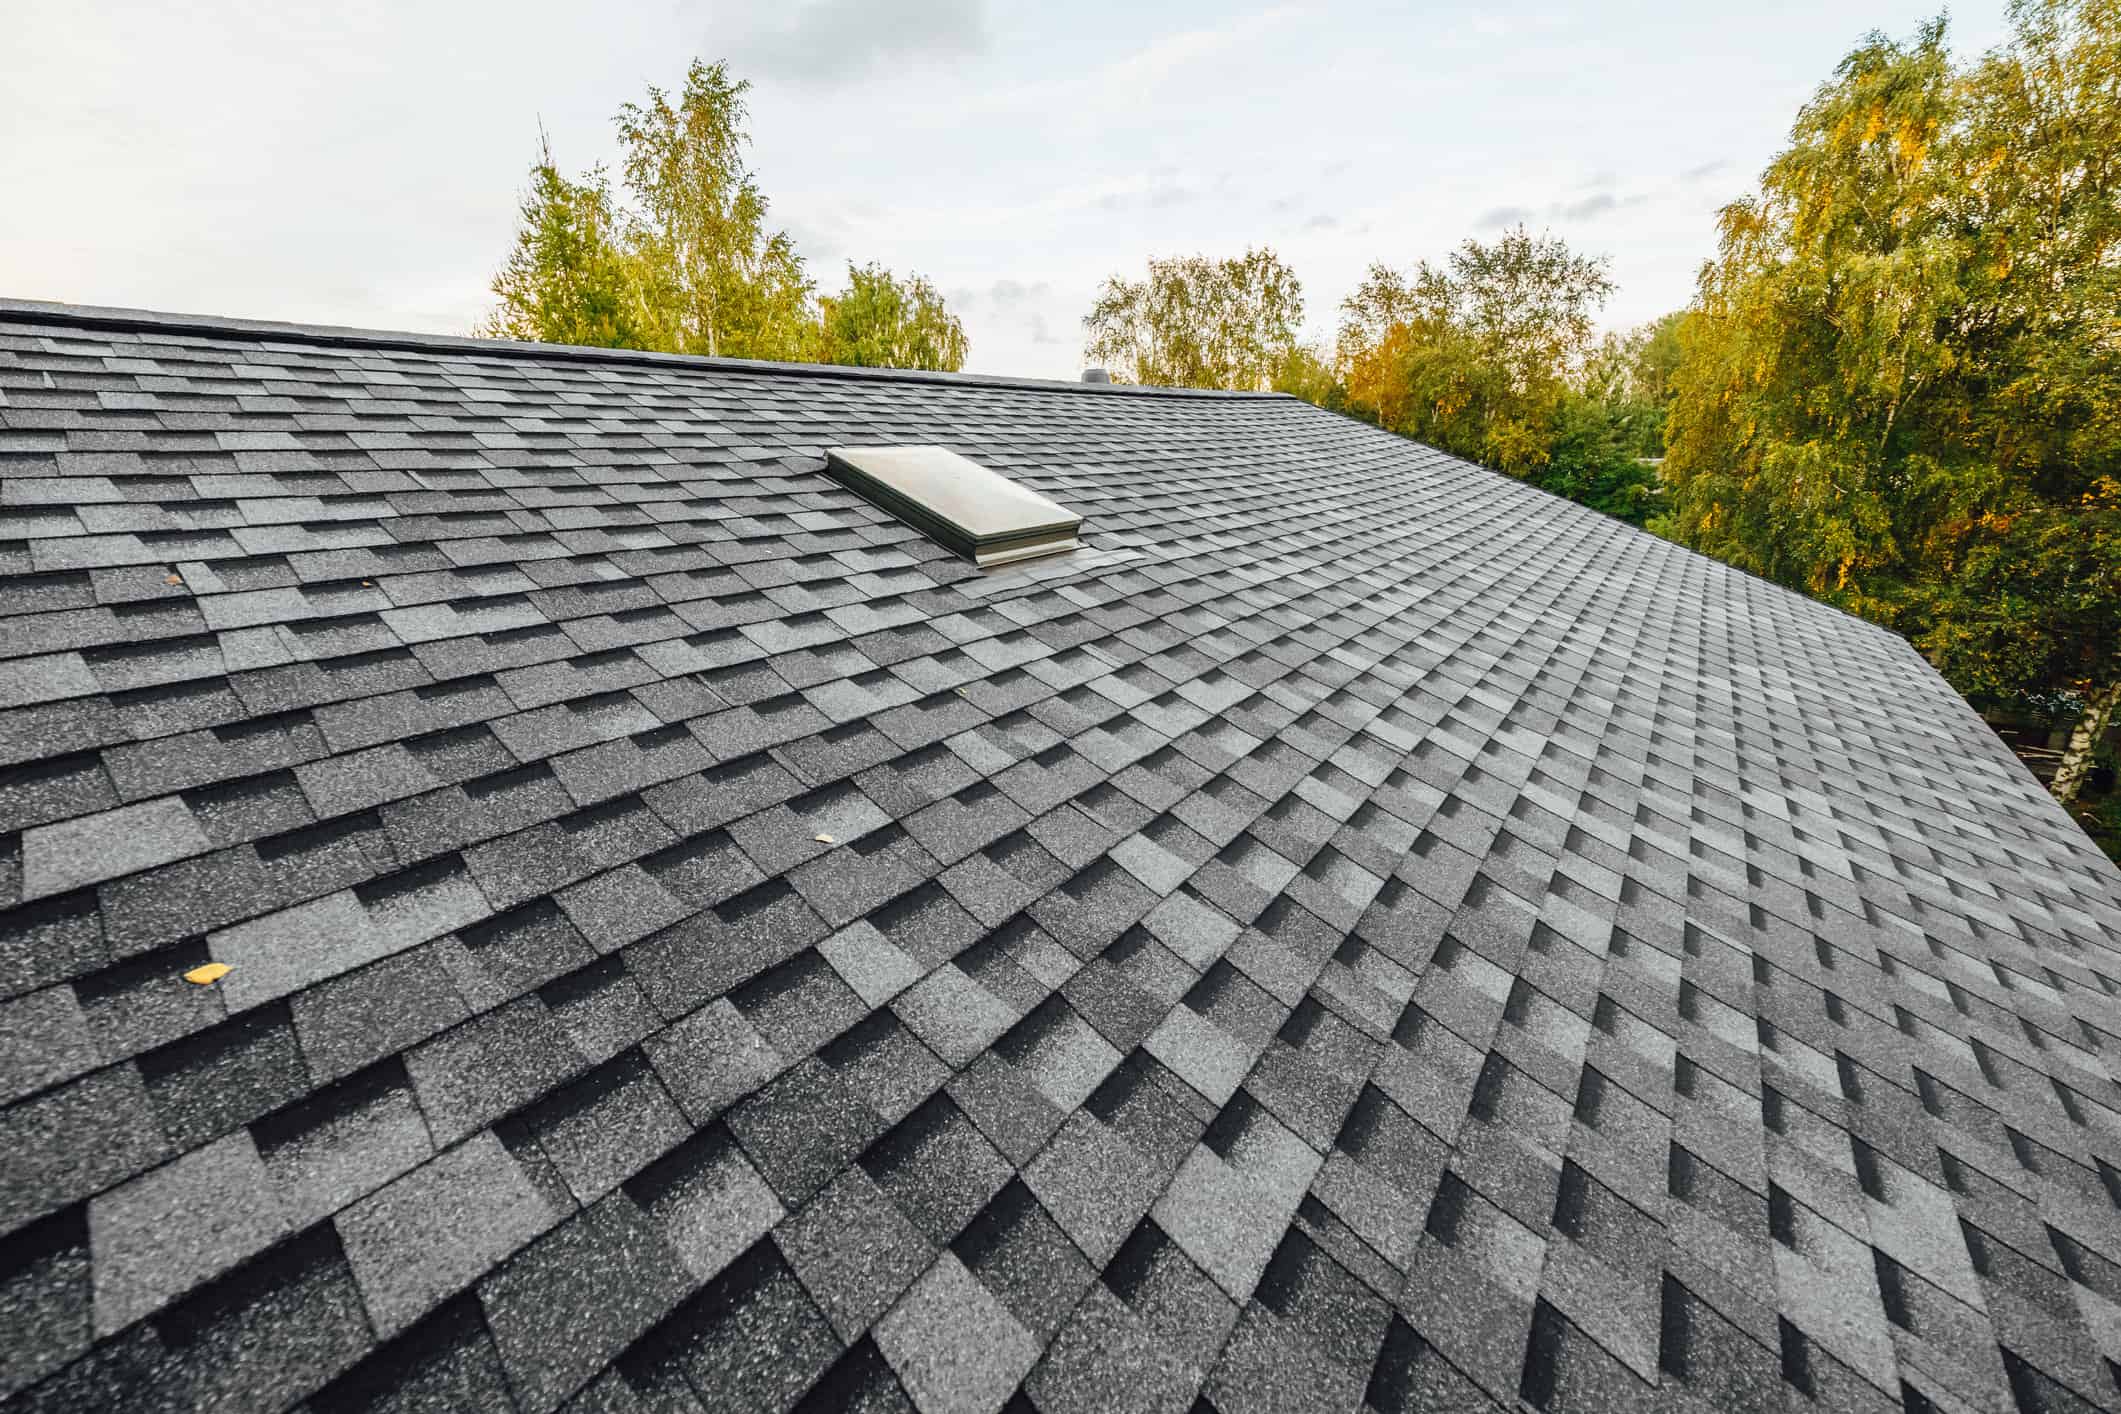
(1300, 947)
(56, 789)
(343, 1141)
(214, 1079)
(44, 1040)
(603, 1128)
(869, 963)
(953, 1344)
(295, 947)
(474, 1073)
(569, 1304)
(47, 1296)
(377, 1011)
(159, 1235)
(802, 1127)
(429, 1233)
(886, 1065)
(712, 1058)
(64, 1144)
(752, 1338)
(98, 846)
(708, 1200)
(854, 1252)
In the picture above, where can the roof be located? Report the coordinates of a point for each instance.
(1359, 929)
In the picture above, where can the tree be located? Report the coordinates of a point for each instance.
(1490, 356)
(1593, 456)
(724, 284)
(1630, 373)
(1381, 325)
(1306, 372)
(687, 264)
(1654, 353)
(1475, 357)
(1900, 382)
(1198, 323)
(878, 321)
(568, 280)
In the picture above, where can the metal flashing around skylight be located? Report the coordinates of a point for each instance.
(956, 502)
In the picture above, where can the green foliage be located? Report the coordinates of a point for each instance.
(1900, 383)
(1476, 356)
(1305, 372)
(568, 280)
(1591, 457)
(689, 265)
(1491, 357)
(878, 321)
(724, 285)
(1198, 323)
(1631, 374)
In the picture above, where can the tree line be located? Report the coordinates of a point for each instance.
(1492, 355)
(1897, 387)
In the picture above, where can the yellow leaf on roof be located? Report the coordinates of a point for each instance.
(205, 976)
(824, 839)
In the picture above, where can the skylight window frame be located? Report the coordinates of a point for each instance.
(969, 509)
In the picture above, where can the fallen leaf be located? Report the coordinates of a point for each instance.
(174, 579)
(824, 839)
(206, 976)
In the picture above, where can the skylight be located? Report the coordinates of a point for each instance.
(956, 502)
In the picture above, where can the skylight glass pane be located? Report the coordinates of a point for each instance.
(955, 501)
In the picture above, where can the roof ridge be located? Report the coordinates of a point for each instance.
(341, 336)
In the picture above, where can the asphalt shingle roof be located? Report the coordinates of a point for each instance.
(1359, 931)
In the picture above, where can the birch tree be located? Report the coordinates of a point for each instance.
(1194, 322)
(1478, 355)
(725, 284)
(880, 321)
(683, 260)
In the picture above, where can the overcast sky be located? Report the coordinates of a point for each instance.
(360, 163)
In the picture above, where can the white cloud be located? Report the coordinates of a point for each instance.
(832, 41)
(1587, 208)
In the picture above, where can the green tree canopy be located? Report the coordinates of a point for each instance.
(1475, 356)
(879, 321)
(1492, 356)
(570, 278)
(1631, 373)
(687, 264)
(1900, 386)
(725, 284)
(1306, 371)
(1194, 322)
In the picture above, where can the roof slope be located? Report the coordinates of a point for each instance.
(1360, 929)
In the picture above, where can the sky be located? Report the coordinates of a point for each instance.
(360, 163)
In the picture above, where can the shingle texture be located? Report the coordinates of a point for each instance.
(1358, 932)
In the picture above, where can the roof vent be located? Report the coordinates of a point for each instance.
(955, 501)
(1096, 375)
